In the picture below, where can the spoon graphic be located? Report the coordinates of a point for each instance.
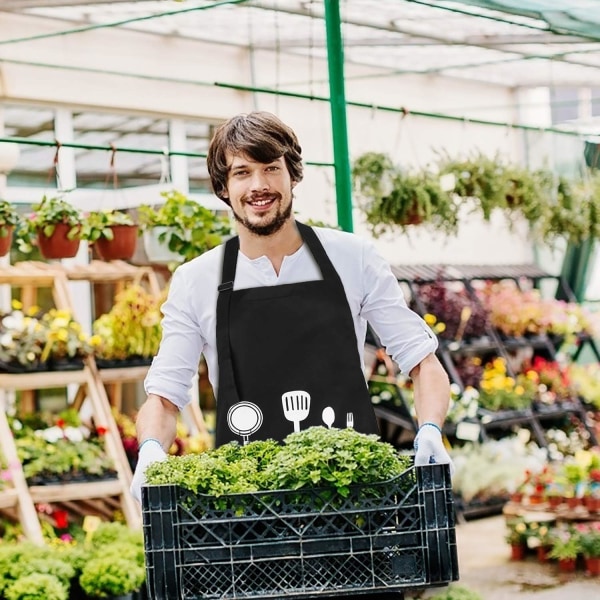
(328, 416)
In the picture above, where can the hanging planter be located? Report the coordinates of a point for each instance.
(156, 245)
(62, 242)
(392, 198)
(113, 234)
(10, 218)
(6, 235)
(55, 227)
(180, 229)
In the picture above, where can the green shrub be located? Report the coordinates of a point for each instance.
(48, 565)
(37, 586)
(111, 576)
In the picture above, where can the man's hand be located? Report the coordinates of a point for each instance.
(150, 452)
(429, 447)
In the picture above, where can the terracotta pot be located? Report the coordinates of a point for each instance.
(518, 551)
(6, 240)
(592, 503)
(58, 245)
(573, 502)
(542, 553)
(122, 246)
(567, 565)
(592, 565)
(554, 501)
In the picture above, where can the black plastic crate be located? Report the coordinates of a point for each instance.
(301, 544)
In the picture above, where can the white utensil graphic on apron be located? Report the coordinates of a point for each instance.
(296, 406)
(244, 418)
(328, 416)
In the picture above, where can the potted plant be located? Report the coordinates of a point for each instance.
(516, 537)
(180, 229)
(10, 219)
(590, 548)
(113, 234)
(37, 586)
(55, 226)
(112, 576)
(392, 197)
(565, 548)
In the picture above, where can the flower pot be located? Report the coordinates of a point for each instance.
(518, 551)
(592, 565)
(542, 553)
(58, 245)
(567, 565)
(122, 246)
(6, 233)
(554, 501)
(573, 503)
(158, 251)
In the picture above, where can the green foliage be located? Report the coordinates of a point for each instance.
(565, 544)
(45, 564)
(590, 542)
(392, 197)
(115, 532)
(9, 216)
(457, 592)
(191, 229)
(45, 216)
(98, 224)
(37, 586)
(107, 576)
(315, 457)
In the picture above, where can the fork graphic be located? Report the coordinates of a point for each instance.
(350, 420)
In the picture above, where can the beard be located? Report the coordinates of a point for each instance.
(268, 228)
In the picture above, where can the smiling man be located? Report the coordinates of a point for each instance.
(280, 314)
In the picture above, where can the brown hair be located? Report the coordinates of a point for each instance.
(261, 136)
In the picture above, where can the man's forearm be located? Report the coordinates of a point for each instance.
(431, 391)
(157, 419)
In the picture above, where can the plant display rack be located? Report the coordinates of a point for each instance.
(495, 423)
(103, 496)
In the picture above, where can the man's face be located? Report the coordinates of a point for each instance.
(260, 194)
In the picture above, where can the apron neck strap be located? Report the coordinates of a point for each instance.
(309, 237)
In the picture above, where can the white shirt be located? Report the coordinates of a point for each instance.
(373, 293)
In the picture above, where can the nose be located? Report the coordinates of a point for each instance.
(259, 182)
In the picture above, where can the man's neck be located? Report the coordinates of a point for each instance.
(275, 247)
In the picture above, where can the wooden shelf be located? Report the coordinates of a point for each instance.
(75, 491)
(9, 498)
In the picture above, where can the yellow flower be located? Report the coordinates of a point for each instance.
(33, 310)
(16, 304)
(519, 390)
(429, 319)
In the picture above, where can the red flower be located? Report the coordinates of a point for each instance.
(61, 518)
(61, 423)
(101, 430)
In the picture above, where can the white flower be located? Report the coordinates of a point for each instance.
(52, 434)
(73, 434)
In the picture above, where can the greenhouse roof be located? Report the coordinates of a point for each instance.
(507, 42)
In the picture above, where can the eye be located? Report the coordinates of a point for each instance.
(273, 168)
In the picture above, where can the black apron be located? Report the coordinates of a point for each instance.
(288, 355)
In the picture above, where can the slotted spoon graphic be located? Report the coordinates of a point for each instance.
(296, 406)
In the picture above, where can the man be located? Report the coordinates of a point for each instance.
(280, 313)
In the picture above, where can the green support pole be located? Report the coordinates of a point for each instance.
(335, 60)
(575, 268)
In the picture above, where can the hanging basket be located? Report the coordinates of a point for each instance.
(122, 246)
(158, 251)
(58, 245)
(6, 235)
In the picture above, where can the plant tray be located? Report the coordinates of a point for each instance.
(305, 543)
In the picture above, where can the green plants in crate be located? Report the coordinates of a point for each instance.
(186, 227)
(37, 586)
(333, 458)
(565, 544)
